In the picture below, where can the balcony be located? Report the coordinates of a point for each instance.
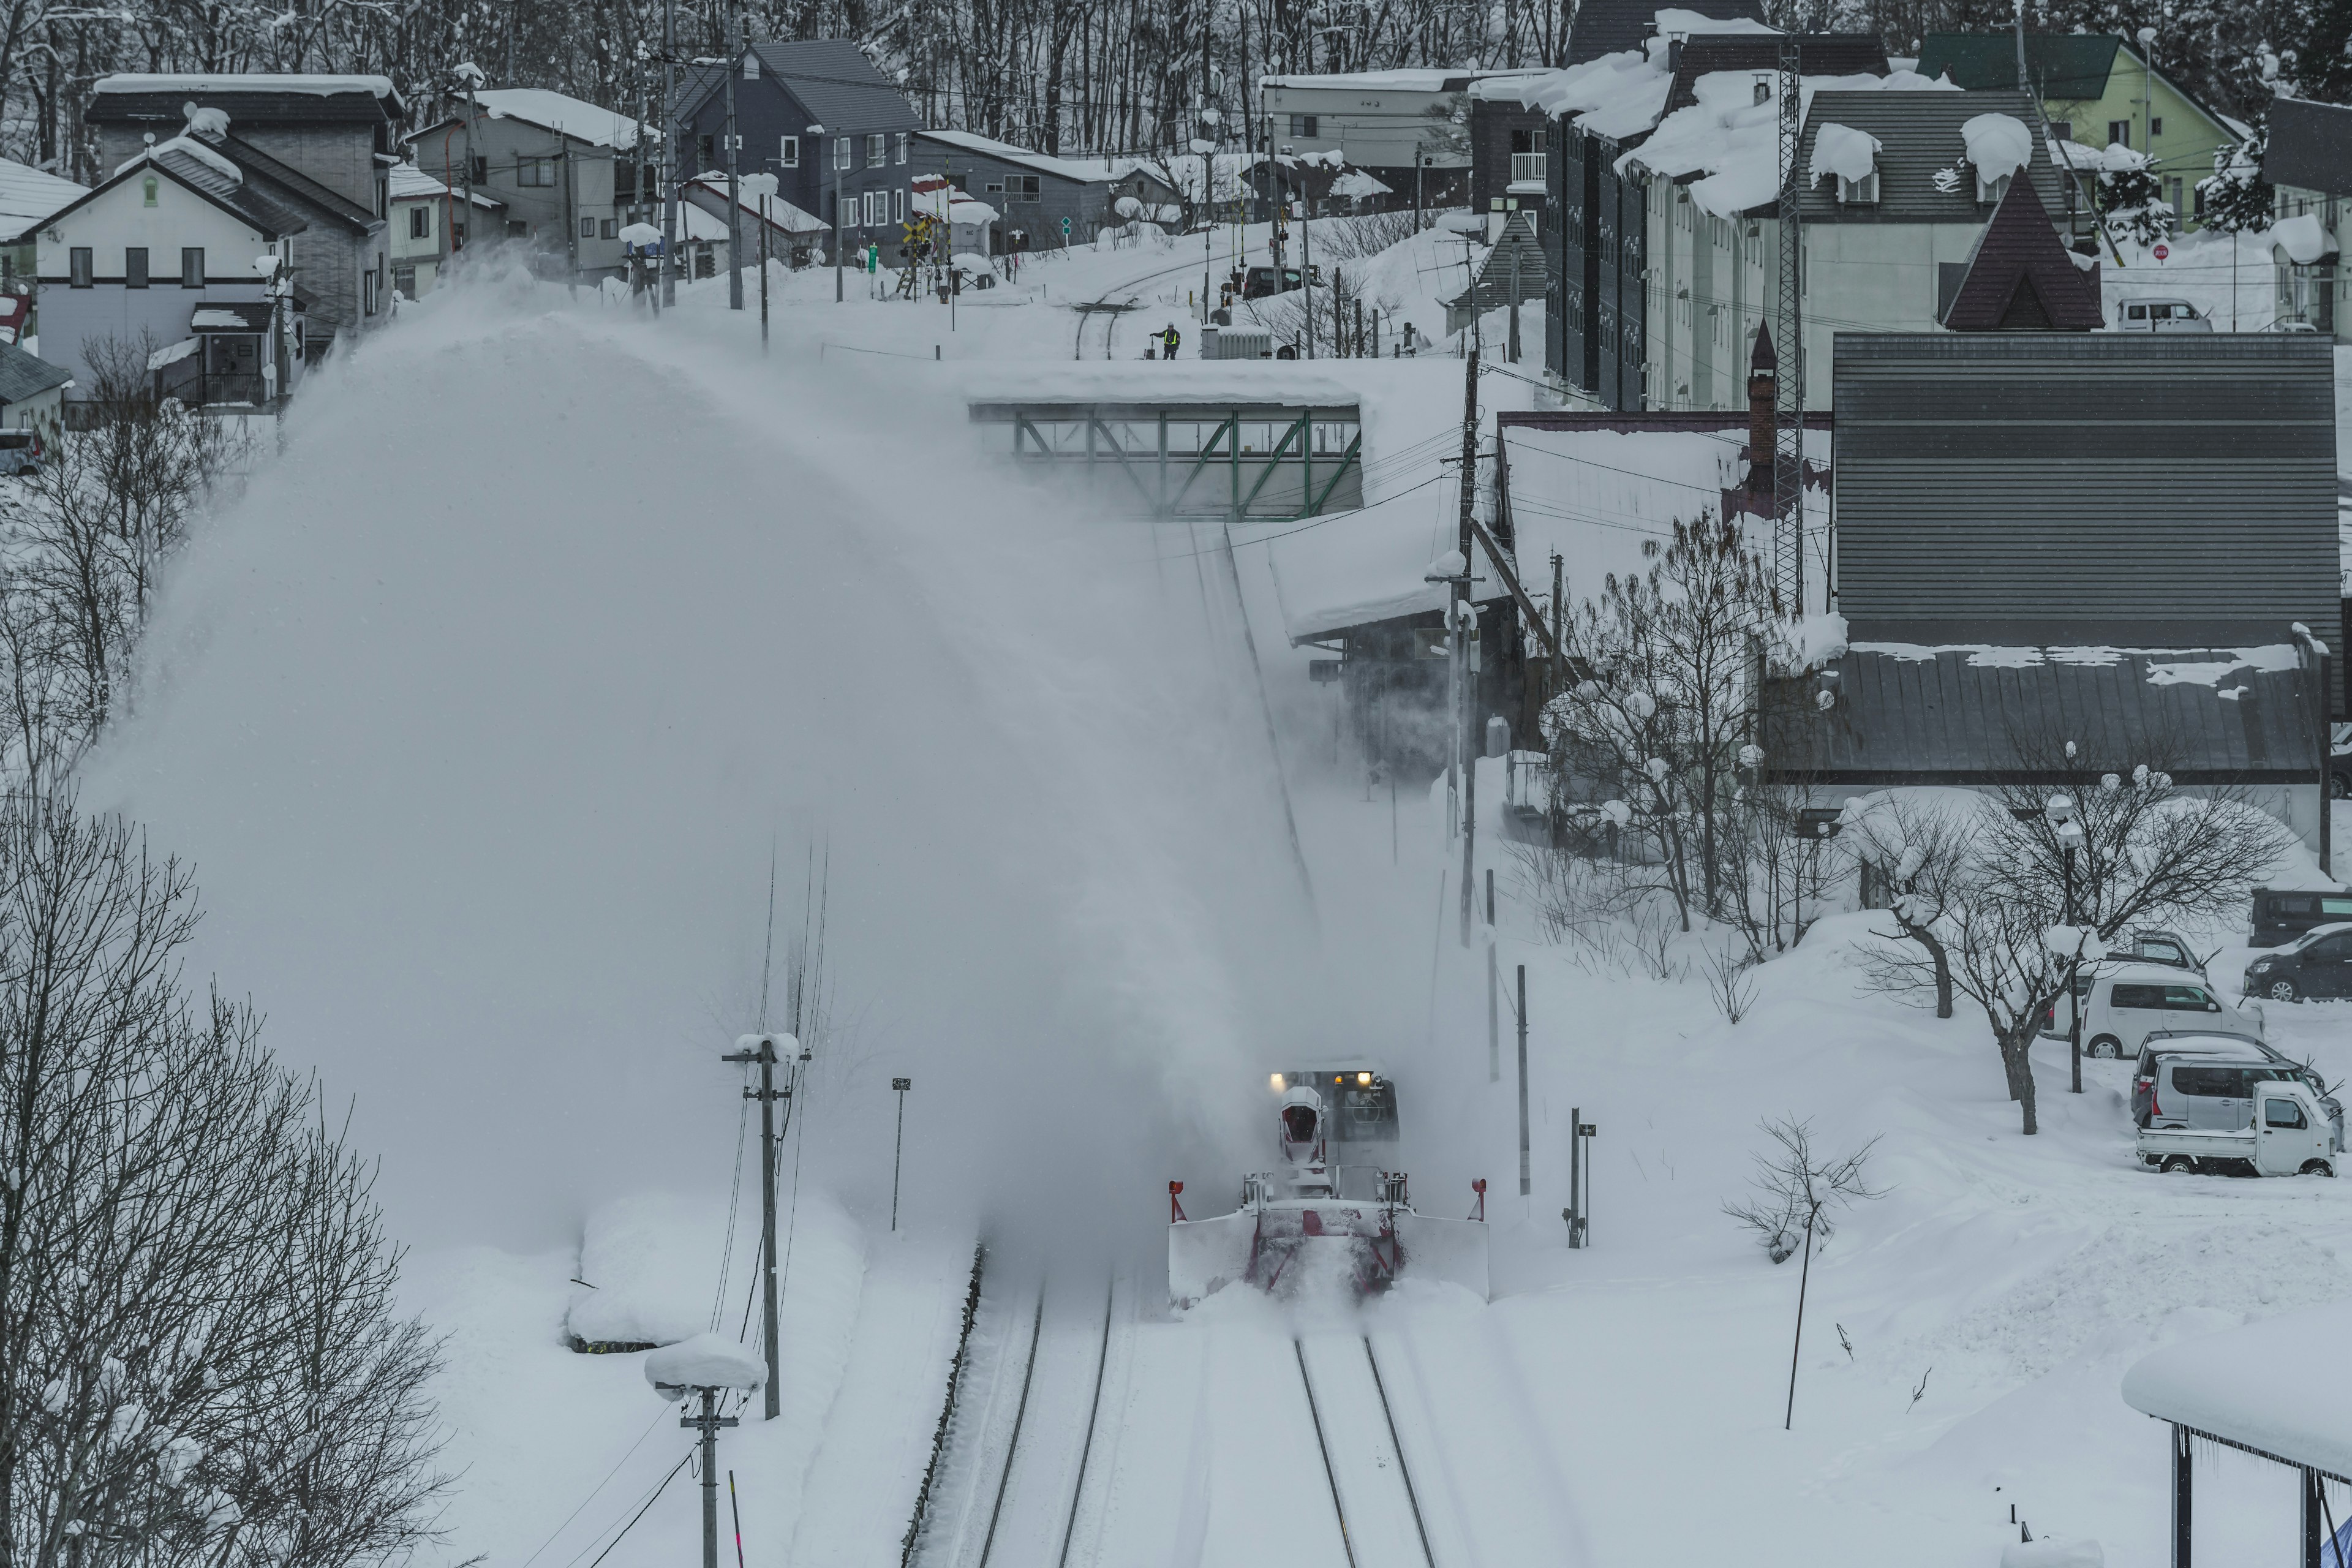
(1527, 168)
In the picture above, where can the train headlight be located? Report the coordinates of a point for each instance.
(1278, 1083)
(1364, 1079)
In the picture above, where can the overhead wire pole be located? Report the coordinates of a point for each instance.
(669, 154)
(1462, 640)
(734, 185)
(1788, 390)
(761, 1051)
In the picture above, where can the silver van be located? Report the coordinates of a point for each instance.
(2160, 316)
(2207, 1083)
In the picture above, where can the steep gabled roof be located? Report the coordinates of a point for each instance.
(25, 374)
(2066, 66)
(1919, 137)
(201, 175)
(290, 187)
(2310, 147)
(560, 112)
(831, 78)
(2020, 278)
(1606, 26)
(1820, 54)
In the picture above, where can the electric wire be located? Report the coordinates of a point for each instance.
(641, 1512)
(592, 1491)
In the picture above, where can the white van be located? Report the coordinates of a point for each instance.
(2160, 316)
(2124, 1002)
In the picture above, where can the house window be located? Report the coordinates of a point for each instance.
(134, 267)
(1302, 125)
(79, 259)
(605, 229)
(788, 152)
(705, 149)
(625, 183)
(2155, 126)
(2062, 129)
(535, 171)
(2119, 132)
(587, 228)
(481, 171)
(192, 267)
(2172, 194)
(420, 222)
(902, 147)
(899, 201)
(841, 151)
(148, 187)
(1020, 187)
(876, 149)
(1988, 191)
(367, 293)
(1858, 192)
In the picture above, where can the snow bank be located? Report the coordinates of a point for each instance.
(1842, 151)
(1997, 144)
(2218, 1384)
(647, 1266)
(2303, 240)
(705, 1361)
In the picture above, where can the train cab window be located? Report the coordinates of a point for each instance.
(1298, 1124)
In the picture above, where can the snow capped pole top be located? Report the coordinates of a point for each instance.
(705, 1361)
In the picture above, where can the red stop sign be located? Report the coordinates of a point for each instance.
(2162, 253)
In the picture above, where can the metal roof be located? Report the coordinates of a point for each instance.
(1963, 715)
(2020, 277)
(1606, 26)
(252, 100)
(291, 187)
(1819, 54)
(1919, 137)
(24, 375)
(243, 316)
(2310, 147)
(833, 80)
(2067, 67)
(245, 198)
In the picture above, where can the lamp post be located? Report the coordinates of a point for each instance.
(901, 1085)
(762, 187)
(816, 140)
(2323, 743)
(2059, 813)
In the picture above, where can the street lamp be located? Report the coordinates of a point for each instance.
(2322, 741)
(901, 1085)
(816, 144)
(2059, 812)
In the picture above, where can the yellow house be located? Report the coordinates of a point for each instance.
(2097, 89)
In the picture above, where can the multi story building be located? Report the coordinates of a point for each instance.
(566, 175)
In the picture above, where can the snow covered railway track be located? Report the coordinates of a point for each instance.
(1380, 1520)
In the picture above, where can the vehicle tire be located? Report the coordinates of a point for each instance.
(2178, 1165)
(2106, 1045)
(2281, 990)
(2317, 1168)
(2339, 786)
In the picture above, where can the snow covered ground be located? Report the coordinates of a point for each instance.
(482, 768)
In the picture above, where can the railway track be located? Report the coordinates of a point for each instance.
(1379, 1517)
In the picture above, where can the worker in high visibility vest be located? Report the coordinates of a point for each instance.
(1169, 338)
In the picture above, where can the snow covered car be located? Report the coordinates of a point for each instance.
(2208, 1082)
(2316, 964)
(2124, 1002)
(2160, 316)
(2288, 1135)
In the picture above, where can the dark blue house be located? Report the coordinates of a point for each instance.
(782, 90)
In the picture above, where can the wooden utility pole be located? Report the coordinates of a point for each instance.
(708, 1422)
(1467, 684)
(760, 1050)
(669, 154)
(734, 186)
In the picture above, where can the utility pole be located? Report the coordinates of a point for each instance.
(472, 76)
(1307, 268)
(1494, 992)
(708, 1423)
(1788, 402)
(1525, 1184)
(735, 205)
(669, 154)
(759, 1050)
(901, 1085)
(1466, 637)
(1557, 616)
(1512, 349)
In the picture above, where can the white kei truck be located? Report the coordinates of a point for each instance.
(2290, 1135)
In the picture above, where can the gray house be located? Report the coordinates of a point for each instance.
(781, 90)
(329, 140)
(1041, 202)
(565, 171)
(2092, 537)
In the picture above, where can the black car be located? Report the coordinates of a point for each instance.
(2281, 917)
(1265, 283)
(2318, 963)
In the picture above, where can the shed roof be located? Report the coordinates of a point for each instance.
(25, 374)
(242, 316)
(2020, 277)
(1968, 713)
(255, 97)
(831, 78)
(2067, 67)
(2206, 1384)
(1824, 53)
(2310, 147)
(1606, 26)
(1919, 138)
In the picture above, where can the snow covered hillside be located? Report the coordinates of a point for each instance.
(483, 768)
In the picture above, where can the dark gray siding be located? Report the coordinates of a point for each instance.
(1086, 203)
(1998, 480)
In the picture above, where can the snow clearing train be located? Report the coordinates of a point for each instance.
(1336, 1212)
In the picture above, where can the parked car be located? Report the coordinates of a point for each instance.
(2316, 964)
(20, 451)
(2286, 1134)
(2165, 947)
(2124, 1002)
(2280, 917)
(1262, 282)
(2160, 316)
(2217, 1098)
(2290, 324)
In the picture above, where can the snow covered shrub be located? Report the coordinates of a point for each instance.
(1798, 1189)
(201, 1359)
(2236, 196)
(2131, 202)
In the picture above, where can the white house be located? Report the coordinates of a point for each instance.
(1389, 124)
(180, 263)
(424, 225)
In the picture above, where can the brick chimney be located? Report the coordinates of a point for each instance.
(1763, 390)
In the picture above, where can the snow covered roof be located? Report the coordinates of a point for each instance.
(1082, 170)
(27, 195)
(1726, 144)
(2302, 240)
(407, 180)
(244, 81)
(1926, 171)
(1619, 95)
(2209, 1385)
(1610, 27)
(710, 191)
(1248, 384)
(1359, 569)
(705, 1361)
(1391, 81)
(556, 111)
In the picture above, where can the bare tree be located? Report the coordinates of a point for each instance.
(1797, 1192)
(1923, 848)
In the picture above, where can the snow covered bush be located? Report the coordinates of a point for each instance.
(2131, 202)
(2236, 196)
(201, 1359)
(1798, 1190)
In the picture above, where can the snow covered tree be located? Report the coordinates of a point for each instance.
(2236, 198)
(2131, 202)
(1920, 846)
